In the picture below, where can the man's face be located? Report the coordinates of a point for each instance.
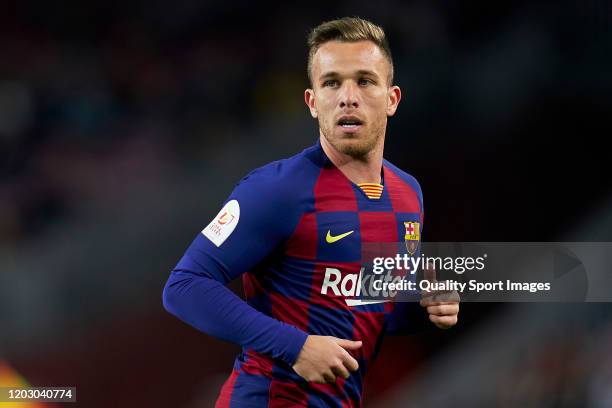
(351, 96)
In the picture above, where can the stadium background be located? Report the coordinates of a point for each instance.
(123, 127)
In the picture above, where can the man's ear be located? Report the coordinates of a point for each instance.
(394, 95)
(309, 98)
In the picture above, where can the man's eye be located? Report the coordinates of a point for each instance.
(330, 82)
(364, 82)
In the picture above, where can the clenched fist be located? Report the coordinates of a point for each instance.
(442, 306)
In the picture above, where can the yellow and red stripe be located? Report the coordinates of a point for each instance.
(372, 190)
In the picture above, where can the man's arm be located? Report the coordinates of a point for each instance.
(194, 296)
(255, 219)
(210, 307)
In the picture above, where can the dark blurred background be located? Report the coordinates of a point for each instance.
(125, 125)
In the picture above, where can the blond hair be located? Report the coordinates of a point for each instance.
(348, 29)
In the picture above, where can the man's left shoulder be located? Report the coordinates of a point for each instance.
(404, 176)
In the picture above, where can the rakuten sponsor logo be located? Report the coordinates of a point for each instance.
(355, 287)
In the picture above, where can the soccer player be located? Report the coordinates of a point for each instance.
(295, 230)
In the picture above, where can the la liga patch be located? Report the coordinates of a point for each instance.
(222, 226)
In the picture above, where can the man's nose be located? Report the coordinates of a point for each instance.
(348, 96)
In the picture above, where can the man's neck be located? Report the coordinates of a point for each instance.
(365, 169)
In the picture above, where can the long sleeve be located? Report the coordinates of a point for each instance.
(206, 304)
(257, 218)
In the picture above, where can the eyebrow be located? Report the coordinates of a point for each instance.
(333, 74)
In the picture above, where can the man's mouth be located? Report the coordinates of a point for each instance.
(349, 124)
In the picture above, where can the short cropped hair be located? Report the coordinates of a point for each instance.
(348, 29)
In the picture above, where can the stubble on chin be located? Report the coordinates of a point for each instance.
(358, 148)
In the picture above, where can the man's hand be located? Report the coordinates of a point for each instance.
(442, 306)
(324, 358)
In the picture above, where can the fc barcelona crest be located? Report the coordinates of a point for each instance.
(412, 236)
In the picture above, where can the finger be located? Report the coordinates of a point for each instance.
(447, 297)
(429, 272)
(439, 310)
(318, 379)
(433, 301)
(439, 297)
(349, 362)
(329, 377)
(340, 370)
(443, 310)
(428, 301)
(443, 321)
(348, 344)
(432, 293)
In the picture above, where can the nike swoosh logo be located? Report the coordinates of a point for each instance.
(331, 239)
